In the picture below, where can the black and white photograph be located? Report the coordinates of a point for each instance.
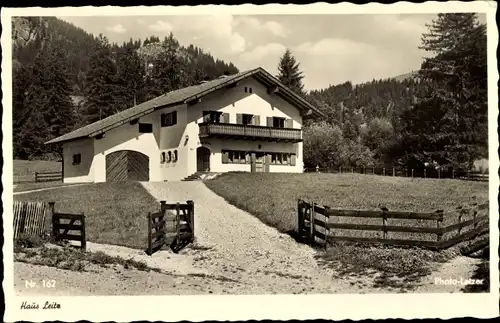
(235, 152)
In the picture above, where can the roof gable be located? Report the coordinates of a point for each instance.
(187, 95)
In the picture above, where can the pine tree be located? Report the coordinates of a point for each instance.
(101, 83)
(449, 124)
(47, 110)
(130, 77)
(289, 73)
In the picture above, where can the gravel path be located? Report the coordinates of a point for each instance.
(46, 188)
(234, 253)
(234, 244)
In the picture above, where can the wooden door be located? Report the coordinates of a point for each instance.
(127, 165)
(259, 162)
(202, 159)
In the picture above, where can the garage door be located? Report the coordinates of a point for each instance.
(127, 165)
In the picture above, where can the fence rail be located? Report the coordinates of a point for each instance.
(316, 221)
(48, 176)
(405, 172)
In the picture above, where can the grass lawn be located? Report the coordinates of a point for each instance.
(115, 213)
(24, 170)
(273, 198)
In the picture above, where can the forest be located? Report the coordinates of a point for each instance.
(64, 78)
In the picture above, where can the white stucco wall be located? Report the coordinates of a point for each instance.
(127, 137)
(183, 137)
(235, 101)
(84, 171)
(174, 138)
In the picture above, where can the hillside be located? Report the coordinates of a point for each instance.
(65, 78)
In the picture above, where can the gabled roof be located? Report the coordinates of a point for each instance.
(186, 95)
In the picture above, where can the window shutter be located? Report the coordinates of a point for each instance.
(269, 121)
(293, 160)
(256, 120)
(225, 117)
(239, 118)
(288, 123)
(225, 157)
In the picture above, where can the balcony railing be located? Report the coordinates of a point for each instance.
(239, 131)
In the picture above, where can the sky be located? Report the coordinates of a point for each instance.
(331, 49)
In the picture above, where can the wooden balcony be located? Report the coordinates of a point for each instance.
(249, 132)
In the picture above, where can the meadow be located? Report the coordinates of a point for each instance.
(272, 198)
(115, 213)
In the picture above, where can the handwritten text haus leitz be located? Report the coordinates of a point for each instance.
(35, 306)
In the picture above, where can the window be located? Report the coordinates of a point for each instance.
(283, 159)
(169, 119)
(175, 155)
(169, 157)
(248, 89)
(145, 128)
(247, 119)
(212, 116)
(77, 159)
(278, 122)
(162, 158)
(235, 157)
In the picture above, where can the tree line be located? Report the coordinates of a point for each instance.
(434, 118)
(65, 78)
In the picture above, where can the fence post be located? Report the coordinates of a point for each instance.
(299, 216)
(191, 216)
(393, 172)
(352, 170)
(406, 172)
(83, 237)
(412, 172)
(468, 174)
(340, 169)
(317, 168)
(453, 173)
(384, 223)
(425, 173)
(53, 219)
(373, 170)
(311, 219)
(439, 173)
(178, 219)
(150, 233)
(384, 171)
(36, 177)
(461, 212)
(439, 222)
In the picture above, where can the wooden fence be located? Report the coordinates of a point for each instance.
(29, 218)
(64, 227)
(436, 230)
(168, 227)
(48, 177)
(406, 172)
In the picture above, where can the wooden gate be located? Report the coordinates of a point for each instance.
(127, 165)
(173, 225)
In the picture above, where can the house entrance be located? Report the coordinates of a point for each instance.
(202, 159)
(259, 163)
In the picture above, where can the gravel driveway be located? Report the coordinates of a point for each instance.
(234, 244)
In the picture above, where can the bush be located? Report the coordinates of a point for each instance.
(29, 241)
